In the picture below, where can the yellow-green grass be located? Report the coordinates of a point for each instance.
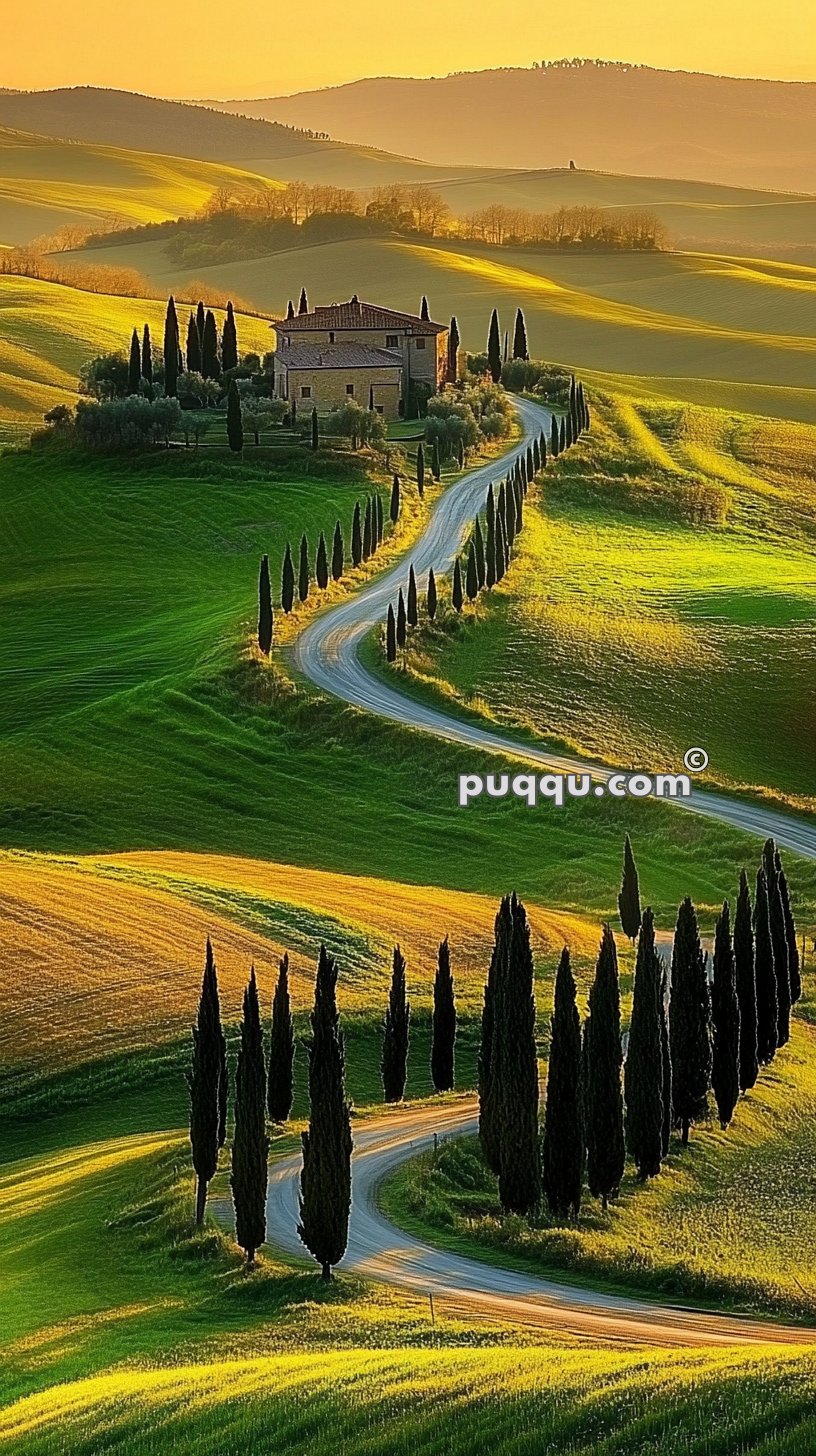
(721, 323)
(631, 634)
(728, 1219)
(46, 184)
(49, 330)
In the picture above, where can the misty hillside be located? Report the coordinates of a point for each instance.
(606, 117)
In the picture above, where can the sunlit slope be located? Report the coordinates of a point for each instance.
(117, 943)
(45, 184)
(465, 1400)
(48, 331)
(702, 317)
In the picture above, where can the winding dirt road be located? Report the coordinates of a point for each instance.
(377, 1249)
(327, 654)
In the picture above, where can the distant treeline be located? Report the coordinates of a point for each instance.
(121, 281)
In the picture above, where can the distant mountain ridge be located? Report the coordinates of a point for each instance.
(608, 117)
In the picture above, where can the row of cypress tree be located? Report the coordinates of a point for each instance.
(396, 1027)
(204, 353)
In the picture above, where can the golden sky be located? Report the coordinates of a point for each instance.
(200, 48)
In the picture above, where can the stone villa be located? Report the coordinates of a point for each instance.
(358, 351)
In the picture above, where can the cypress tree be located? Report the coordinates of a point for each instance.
(396, 1027)
(490, 544)
(402, 621)
(290, 310)
(265, 616)
(356, 536)
(431, 599)
(322, 564)
(460, 454)
(250, 1144)
(338, 553)
(562, 437)
(367, 531)
(315, 429)
(171, 349)
(147, 355)
(501, 548)
(725, 1019)
(745, 975)
(412, 610)
(509, 513)
(287, 580)
(530, 469)
(456, 588)
(478, 546)
(563, 1149)
(423, 309)
(436, 461)
(304, 575)
(235, 419)
(767, 1010)
(629, 897)
(501, 508)
(519, 509)
(603, 1059)
(536, 456)
(516, 1071)
(303, 305)
(280, 1084)
(453, 349)
(689, 1022)
(489, 1111)
(665, 1047)
(193, 352)
(420, 471)
(207, 1083)
(210, 365)
(201, 319)
(494, 358)
(444, 1023)
(542, 451)
(520, 350)
(325, 1182)
(471, 574)
(555, 438)
(779, 941)
(395, 500)
(134, 365)
(391, 636)
(643, 1073)
(229, 341)
(794, 967)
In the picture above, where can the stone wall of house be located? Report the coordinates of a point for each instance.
(329, 388)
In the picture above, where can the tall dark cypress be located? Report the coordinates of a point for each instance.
(394, 510)
(287, 580)
(290, 310)
(489, 1107)
(338, 553)
(304, 574)
(280, 1080)
(171, 349)
(423, 309)
(471, 574)
(210, 363)
(555, 438)
(436, 461)
(564, 1141)
(431, 596)
(779, 941)
(391, 636)
(453, 349)
(643, 1073)
(794, 966)
(490, 544)
(457, 595)
(520, 350)
(543, 450)
(689, 1022)
(321, 564)
(536, 456)
(229, 341)
(201, 319)
(509, 514)
(603, 1059)
(501, 508)
(367, 531)
(665, 1048)
(501, 548)
(420, 471)
(193, 352)
(516, 1070)
(134, 364)
(402, 621)
(207, 1083)
(303, 305)
(250, 1144)
(444, 1023)
(147, 355)
(479, 549)
(235, 419)
(745, 975)
(629, 897)
(325, 1182)
(411, 606)
(315, 427)
(265, 616)
(494, 350)
(767, 1008)
(396, 1032)
(356, 536)
(725, 1019)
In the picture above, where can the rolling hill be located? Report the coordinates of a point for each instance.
(613, 117)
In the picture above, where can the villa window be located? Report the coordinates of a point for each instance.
(379, 409)
(420, 343)
(392, 341)
(331, 336)
(305, 391)
(349, 389)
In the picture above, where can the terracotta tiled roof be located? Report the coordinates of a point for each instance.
(337, 356)
(356, 315)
